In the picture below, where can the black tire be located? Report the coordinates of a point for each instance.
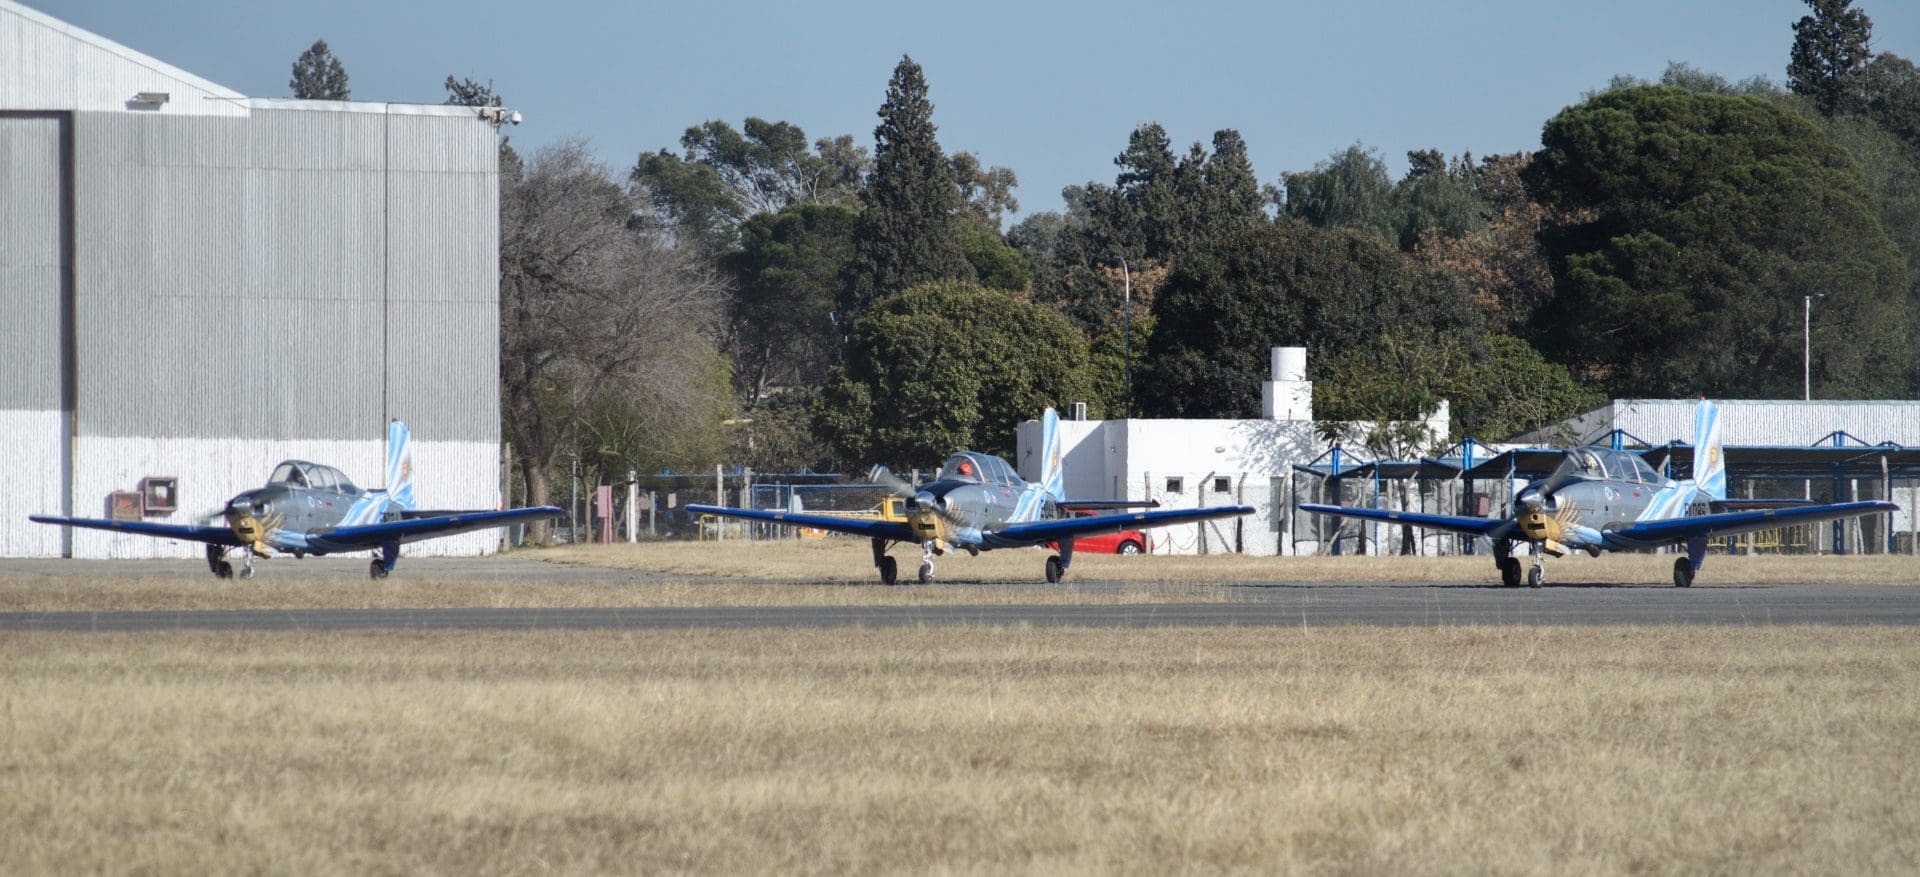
(376, 570)
(223, 570)
(1130, 547)
(1509, 572)
(1683, 573)
(926, 573)
(889, 571)
(1054, 570)
(1536, 577)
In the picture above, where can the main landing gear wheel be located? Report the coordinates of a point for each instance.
(1054, 570)
(1683, 573)
(926, 573)
(223, 570)
(377, 569)
(889, 571)
(1509, 572)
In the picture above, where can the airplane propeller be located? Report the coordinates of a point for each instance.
(251, 525)
(927, 516)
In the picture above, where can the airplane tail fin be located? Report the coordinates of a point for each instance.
(1051, 475)
(1709, 463)
(399, 466)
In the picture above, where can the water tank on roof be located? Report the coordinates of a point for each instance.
(1289, 363)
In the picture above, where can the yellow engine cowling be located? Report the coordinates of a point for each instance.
(1548, 530)
(252, 531)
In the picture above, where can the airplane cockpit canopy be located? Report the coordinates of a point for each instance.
(300, 473)
(973, 467)
(1591, 462)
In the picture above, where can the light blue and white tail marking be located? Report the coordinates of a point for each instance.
(372, 507)
(399, 465)
(1709, 463)
(1052, 477)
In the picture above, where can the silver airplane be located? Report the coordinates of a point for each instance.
(978, 504)
(1602, 499)
(307, 508)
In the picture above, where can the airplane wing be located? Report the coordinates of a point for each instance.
(366, 536)
(857, 526)
(1489, 527)
(215, 535)
(1040, 532)
(1729, 523)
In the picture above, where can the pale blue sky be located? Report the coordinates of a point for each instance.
(1048, 89)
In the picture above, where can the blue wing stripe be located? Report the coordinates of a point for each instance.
(414, 529)
(1450, 523)
(214, 535)
(1728, 523)
(1048, 531)
(857, 526)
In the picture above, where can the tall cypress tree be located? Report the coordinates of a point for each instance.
(1830, 54)
(909, 228)
(317, 75)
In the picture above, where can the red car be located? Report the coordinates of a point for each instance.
(1123, 542)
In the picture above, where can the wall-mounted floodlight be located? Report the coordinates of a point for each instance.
(498, 115)
(151, 98)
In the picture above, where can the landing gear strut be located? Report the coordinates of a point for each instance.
(926, 562)
(889, 570)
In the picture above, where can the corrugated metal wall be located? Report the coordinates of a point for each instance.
(32, 267)
(269, 281)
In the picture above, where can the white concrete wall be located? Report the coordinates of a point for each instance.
(211, 471)
(31, 440)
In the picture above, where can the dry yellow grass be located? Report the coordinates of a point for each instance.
(1511, 750)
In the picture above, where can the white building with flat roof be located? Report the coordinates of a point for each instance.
(1197, 463)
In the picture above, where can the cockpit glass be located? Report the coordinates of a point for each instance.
(287, 473)
(962, 467)
(1595, 463)
(998, 471)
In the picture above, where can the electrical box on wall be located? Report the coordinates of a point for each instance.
(125, 505)
(160, 494)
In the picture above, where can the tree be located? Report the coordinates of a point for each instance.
(467, 92)
(1220, 312)
(1893, 97)
(589, 303)
(1690, 226)
(1351, 190)
(781, 330)
(317, 75)
(726, 175)
(909, 230)
(987, 192)
(949, 365)
(1436, 197)
(1831, 48)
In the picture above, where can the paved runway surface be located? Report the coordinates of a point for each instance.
(1278, 605)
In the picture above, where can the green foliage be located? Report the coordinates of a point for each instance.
(1108, 357)
(1437, 196)
(1692, 224)
(1287, 283)
(1831, 48)
(726, 175)
(948, 365)
(910, 225)
(995, 263)
(1893, 97)
(987, 192)
(1514, 390)
(786, 275)
(1349, 190)
(317, 75)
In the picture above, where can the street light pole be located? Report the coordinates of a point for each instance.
(1806, 345)
(1126, 333)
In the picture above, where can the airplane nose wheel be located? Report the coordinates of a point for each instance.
(1538, 574)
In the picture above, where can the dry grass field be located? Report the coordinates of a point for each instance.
(839, 572)
(1406, 751)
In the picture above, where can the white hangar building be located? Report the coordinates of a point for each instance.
(1196, 463)
(197, 284)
